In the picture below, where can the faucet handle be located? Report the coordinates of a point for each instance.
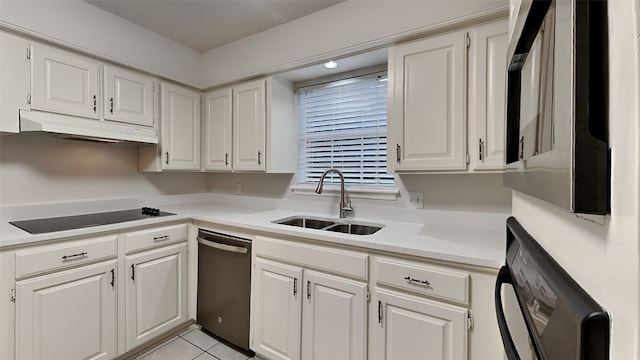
(347, 206)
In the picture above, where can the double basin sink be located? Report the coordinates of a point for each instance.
(335, 225)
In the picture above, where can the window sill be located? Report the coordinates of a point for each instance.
(390, 194)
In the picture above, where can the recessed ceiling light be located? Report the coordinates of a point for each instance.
(330, 65)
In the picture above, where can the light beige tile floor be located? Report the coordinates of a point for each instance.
(192, 344)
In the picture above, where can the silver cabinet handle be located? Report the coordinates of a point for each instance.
(78, 256)
(111, 107)
(95, 103)
(226, 158)
(398, 153)
(259, 157)
(410, 279)
(161, 238)
(480, 149)
(225, 247)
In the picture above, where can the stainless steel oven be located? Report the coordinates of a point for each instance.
(543, 314)
(556, 129)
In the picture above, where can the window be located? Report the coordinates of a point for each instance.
(343, 125)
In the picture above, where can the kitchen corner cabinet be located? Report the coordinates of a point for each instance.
(64, 82)
(180, 127)
(218, 130)
(128, 96)
(426, 104)
(156, 293)
(250, 127)
(487, 95)
(302, 313)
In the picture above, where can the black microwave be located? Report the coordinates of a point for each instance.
(556, 131)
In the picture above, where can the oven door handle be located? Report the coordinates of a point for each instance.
(504, 277)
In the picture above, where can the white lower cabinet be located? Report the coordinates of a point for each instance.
(410, 327)
(277, 320)
(67, 315)
(156, 293)
(334, 320)
(302, 313)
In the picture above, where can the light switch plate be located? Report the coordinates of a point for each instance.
(415, 200)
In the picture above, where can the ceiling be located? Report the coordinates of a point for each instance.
(206, 24)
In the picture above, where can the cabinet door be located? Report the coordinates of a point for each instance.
(217, 128)
(410, 327)
(63, 82)
(334, 318)
(68, 315)
(487, 95)
(249, 126)
(276, 313)
(128, 96)
(180, 120)
(427, 82)
(156, 293)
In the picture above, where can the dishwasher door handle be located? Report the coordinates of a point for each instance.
(225, 247)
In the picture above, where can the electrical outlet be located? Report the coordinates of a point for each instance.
(415, 200)
(238, 188)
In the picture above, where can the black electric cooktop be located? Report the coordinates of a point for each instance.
(46, 225)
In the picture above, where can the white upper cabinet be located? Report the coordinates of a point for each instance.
(427, 82)
(487, 86)
(128, 96)
(64, 82)
(249, 126)
(217, 130)
(180, 128)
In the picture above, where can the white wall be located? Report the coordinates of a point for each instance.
(603, 253)
(39, 169)
(90, 29)
(462, 192)
(350, 26)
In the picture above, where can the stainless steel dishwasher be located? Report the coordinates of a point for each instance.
(224, 286)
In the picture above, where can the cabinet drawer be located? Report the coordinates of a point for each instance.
(52, 257)
(143, 239)
(343, 262)
(434, 281)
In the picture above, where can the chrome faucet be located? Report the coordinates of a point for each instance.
(344, 205)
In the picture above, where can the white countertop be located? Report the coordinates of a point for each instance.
(472, 238)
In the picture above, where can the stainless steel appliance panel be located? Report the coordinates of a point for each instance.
(224, 286)
(562, 321)
(557, 129)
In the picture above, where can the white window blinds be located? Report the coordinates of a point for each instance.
(343, 125)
